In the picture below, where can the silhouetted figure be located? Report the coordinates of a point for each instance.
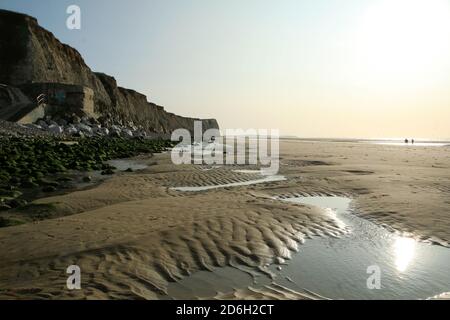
(406, 141)
(412, 141)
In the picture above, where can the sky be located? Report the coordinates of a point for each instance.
(310, 68)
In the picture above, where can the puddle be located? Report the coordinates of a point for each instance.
(264, 179)
(248, 171)
(207, 284)
(211, 168)
(336, 268)
(203, 148)
(233, 184)
(97, 177)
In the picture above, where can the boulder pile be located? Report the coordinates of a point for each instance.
(76, 126)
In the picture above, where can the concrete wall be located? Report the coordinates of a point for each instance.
(34, 115)
(65, 98)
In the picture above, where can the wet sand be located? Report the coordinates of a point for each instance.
(134, 234)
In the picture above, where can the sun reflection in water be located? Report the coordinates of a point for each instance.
(404, 249)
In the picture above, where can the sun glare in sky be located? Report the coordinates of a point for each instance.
(403, 41)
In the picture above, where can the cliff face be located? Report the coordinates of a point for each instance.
(29, 53)
(129, 105)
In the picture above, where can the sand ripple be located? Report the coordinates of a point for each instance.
(149, 243)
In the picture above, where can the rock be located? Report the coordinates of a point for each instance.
(116, 127)
(103, 120)
(14, 180)
(94, 121)
(62, 122)
(96, 129)
(15, 203)
(71, 130)
(49, 183)
(85, 120)
(84, 128)
(115, 131)
(128, 133)
(76, 119)
(142, 134)
(4, 207)
(79, 134)
(102, 132)
(108, 171)
(33, 126)
(9, 222)
(87, 179)
(54, 128)
(12, 194)
(42, 124)
(49, 189)
(29, 183)
(64, 179)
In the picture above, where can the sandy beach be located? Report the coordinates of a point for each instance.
(133, 234)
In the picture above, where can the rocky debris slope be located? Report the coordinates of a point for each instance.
(11, 129)
(74, 126)
(31, 54)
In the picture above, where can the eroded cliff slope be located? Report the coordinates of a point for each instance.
(31, 54)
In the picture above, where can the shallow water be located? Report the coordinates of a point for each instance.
(416, 144)
(124, 164)
(119, 164)
(337, 268)
(233, 184)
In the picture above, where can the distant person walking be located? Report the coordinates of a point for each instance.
(412, 141)
(406, 141)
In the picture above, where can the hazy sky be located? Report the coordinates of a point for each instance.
(313, 68)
